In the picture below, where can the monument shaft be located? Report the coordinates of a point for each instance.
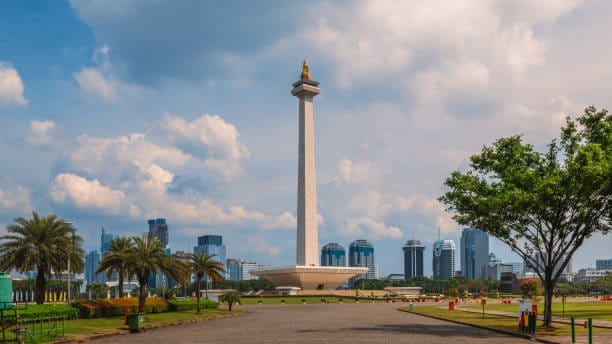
(307, 233)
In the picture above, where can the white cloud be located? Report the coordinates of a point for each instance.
(73, 189)
(284, 220)
(355, 172)
(367, 227)
(95, 154)
(41, 133)
(16, 198)
(259, 245)
(225, 152)
(11, 86)
(92, 81)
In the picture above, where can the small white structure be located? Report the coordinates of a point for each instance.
(287, 290)
(404, 291)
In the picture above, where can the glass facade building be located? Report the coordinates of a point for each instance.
(211, 244)
(413, 259)
(474, 253)
(159, 229)
(92, 262)
(361, 254)
(333, 254)
(444, 259)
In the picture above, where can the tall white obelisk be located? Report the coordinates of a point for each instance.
(307, 233)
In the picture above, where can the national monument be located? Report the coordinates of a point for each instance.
(307, 273)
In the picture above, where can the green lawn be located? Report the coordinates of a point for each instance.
(505, 323)
(582, 310)
(80, 328)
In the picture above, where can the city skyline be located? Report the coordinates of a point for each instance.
(115, 121)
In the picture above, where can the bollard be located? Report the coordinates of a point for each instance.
(590, 330)
(522, 322)
(573, 330)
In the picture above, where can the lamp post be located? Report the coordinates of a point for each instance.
(71, 249)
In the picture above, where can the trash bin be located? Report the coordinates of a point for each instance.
(411, 306)
(135, 322)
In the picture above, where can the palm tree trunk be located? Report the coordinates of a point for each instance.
(198, 293)
(120, 284)
(142, 295)
(39, 296)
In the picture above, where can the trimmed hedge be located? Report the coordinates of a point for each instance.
(112, 307)
(187, 305)
(47, 310)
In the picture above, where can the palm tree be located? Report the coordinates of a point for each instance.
(231, 297)
(204, 265)
(148, 257)
(41, 244)
(117, 260)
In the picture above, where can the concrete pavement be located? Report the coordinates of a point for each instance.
(319, 323)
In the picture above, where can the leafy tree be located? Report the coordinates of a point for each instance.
(452, 293)
(542, 205)
(230, 297)
(530, 288)
(204, 265)
(604, 284)
(117, 260)
(41, 244)
(147, 257)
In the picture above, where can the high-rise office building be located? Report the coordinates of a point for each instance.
(92, 262)
(246, 270)
(211, 244)
(444, 259)
(603, 264)
(233, 269)
(361, 254)
(333, 254)
(474, 253)
(539, 260)
(159, 229)
(105, 242)
(413, 259)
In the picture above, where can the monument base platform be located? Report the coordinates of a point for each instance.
(309, 277)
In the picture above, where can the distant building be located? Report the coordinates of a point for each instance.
(394, 277)
(495, 268)
(444, 259)
(105, 242)
(474, 252)
(603, 264)
(239, 270)
(211, 244)
(517, 268)
(159, 229)
(333, 254)
(92, 262)
(537, 264)
(413, 259)
(361, 254)
(590, 274)
(246, 270)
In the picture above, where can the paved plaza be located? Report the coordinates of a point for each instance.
(318, 323)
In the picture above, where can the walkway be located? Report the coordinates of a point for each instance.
(330, 323)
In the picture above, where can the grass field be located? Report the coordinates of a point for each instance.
(80, 328)
(505, 323)
(582, 310)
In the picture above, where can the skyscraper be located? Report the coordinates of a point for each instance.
(233, 269)
(413, 259)
(361, 254)
(159, 229)
(92, 262)
(603, 264)
(211, 244)
(474, 252)
(105, 242)
(444, 259)
(333, 254)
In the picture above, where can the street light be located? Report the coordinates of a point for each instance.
(69, 254)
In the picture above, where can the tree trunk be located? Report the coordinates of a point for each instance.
(120, 284)
(41, 282)
(142, 295)
(548, 295)
(229, 305)
(198, 294)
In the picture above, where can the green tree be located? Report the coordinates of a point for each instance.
(530, 288)
(204, 265)
(452, 293)
(542, 205)
(148, 257)
(117, 260)
(230, 297)
(41, 244)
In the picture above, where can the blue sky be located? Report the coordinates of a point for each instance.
(119, 111)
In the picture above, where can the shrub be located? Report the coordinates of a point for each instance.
(114, 307)
(46, 310)
(187, 305)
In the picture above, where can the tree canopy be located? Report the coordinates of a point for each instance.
(41, 244)
(543, 205)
